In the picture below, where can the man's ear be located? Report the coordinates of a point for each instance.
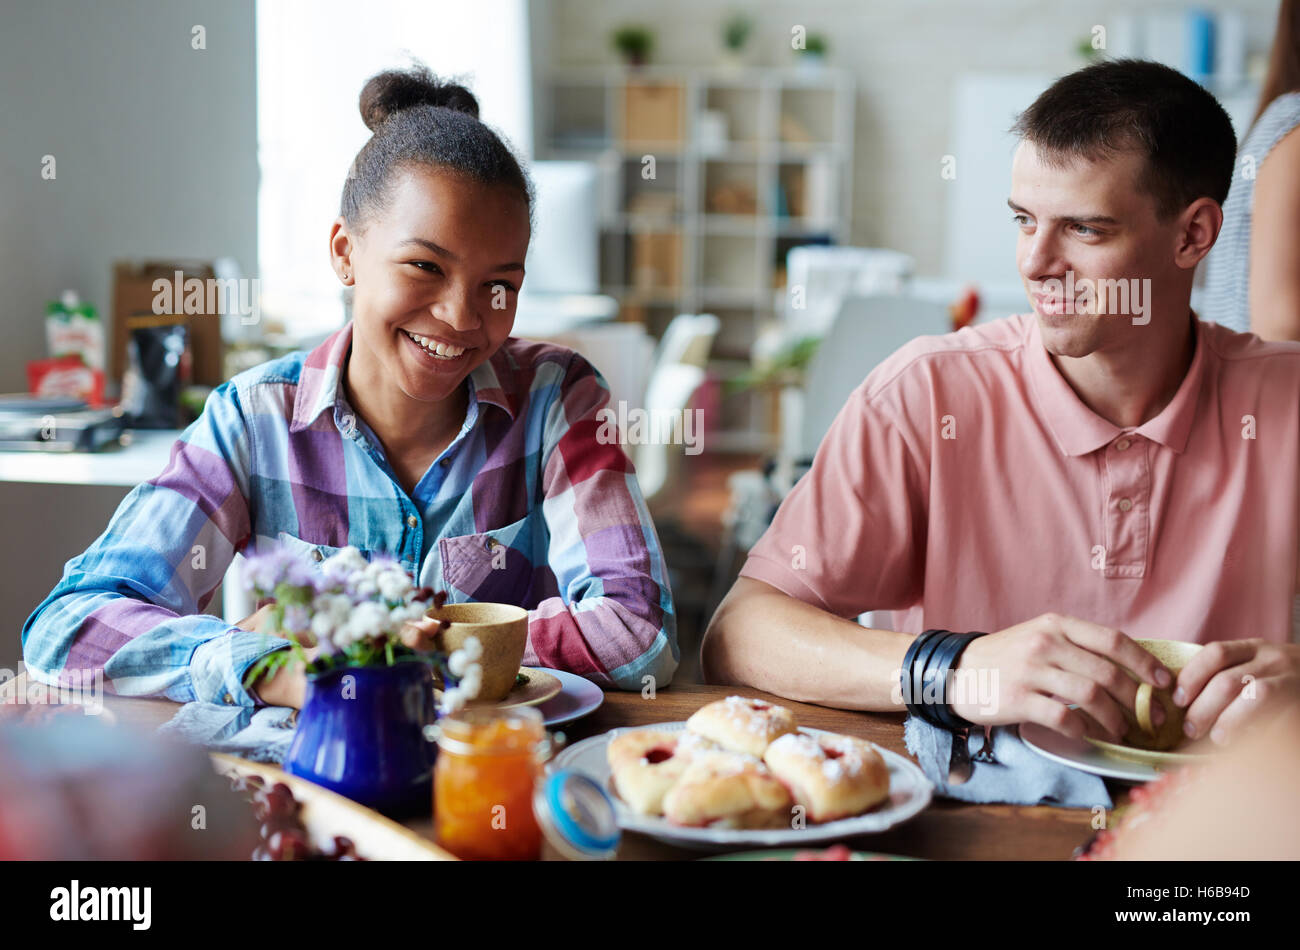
(342, 247)
(1199, 227)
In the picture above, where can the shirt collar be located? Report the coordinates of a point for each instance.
(322, 373)
(1078, 430)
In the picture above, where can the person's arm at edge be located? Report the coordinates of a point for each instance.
(1275, 243)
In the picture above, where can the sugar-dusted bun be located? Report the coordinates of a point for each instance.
(742, 725)
(645, 764)
(832, 776)
(726, 790)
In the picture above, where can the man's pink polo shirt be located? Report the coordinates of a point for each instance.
(965, 486)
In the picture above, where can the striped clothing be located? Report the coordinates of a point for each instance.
(526, 506)
(1227, 275)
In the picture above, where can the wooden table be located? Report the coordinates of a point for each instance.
(946, 830)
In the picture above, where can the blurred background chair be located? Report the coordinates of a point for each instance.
(863, 332)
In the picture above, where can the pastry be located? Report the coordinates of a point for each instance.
(724, 790)
(832, 776)
(742, 725)
(645, 764)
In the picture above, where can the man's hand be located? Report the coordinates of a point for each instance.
(1229, 683)
(1044, 664)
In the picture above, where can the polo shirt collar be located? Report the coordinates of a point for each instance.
(322, 374)
(1078, 430)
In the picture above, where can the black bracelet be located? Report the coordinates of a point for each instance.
(926, 666)
(908, 676)
(933, 693)
(942, 664)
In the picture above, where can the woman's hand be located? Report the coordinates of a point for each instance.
(1229, 683)
(1036, 668)
(287, 686)
(423, 634)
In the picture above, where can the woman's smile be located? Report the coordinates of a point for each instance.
(435, 353)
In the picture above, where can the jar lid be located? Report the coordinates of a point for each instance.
(577, 815)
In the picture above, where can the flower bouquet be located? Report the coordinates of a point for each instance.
(370, 698)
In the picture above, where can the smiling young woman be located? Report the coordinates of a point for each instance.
(420, 430)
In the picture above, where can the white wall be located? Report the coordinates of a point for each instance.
(155, 151)
(154, 144)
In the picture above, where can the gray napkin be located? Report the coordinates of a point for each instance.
(262, 734)
(1022, 777)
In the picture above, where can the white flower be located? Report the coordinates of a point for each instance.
(368, 620)
(345, 561)
(472, 681)
(322, 627)
(472, 648)
(406, 613)
(453, 700)
(457, 663)
(365, 589)
(394, 584)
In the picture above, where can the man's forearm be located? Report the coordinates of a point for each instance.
(763, 638)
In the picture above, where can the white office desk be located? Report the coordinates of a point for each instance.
(124, 467)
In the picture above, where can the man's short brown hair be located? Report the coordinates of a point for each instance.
(1131, 104)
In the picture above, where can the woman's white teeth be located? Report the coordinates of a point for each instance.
(444, 350)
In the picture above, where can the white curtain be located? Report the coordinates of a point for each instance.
(313, 57)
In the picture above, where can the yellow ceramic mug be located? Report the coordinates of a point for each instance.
(502, 630)
(1144, 734)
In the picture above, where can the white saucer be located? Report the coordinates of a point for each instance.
(579, 697)
(1082, 755)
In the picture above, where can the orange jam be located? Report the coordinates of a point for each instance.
(488, 763)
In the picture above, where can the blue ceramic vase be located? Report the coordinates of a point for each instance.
(361, 733)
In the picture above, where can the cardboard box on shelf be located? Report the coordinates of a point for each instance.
(135, 296)
(652, 113)
(656, 260)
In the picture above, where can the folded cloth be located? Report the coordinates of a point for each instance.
(260, 733)
(1021, 777)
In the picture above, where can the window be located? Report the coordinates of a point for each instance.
(313, 56)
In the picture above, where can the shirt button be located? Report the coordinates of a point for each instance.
(317, 555)
(445, 462)
(1122, 444)
(1125, 504)
(230, 700)
(412, 520)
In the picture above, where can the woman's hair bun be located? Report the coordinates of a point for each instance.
(396, 89)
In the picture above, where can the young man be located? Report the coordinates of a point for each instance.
(1106, 468)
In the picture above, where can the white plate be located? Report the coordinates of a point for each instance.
(579, 697)
(1082, 755)
(909, 793)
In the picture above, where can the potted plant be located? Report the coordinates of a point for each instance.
(634, 44)
(812, 55)
(735, 35)
(362, 730)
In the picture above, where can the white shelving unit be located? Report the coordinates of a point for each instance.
(709, 232)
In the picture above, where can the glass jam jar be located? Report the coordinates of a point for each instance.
(489, 763)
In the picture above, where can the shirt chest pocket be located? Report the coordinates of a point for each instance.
(493, 566)
(310, 553)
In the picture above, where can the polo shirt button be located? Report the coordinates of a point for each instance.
(317, 555)
(230, 700)
(412, 520)
(1125, 504)
(1122, 444)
